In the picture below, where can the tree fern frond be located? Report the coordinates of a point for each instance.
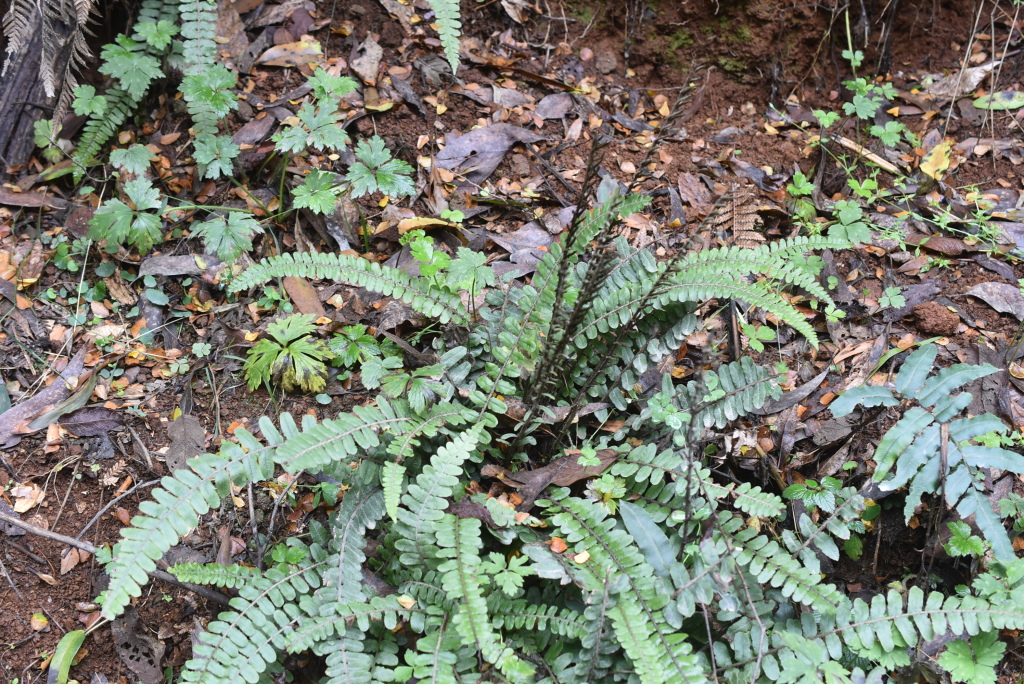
(416, 292)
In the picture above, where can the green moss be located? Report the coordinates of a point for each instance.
(732, 65)
(680, 39)
(741, 34)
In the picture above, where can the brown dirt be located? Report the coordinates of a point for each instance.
(759, 52)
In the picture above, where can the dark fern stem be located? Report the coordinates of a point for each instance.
(657, 288)
(665, 130)
(549, 369)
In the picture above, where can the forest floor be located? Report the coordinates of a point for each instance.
(558, 70)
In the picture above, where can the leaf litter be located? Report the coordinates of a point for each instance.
(512, 214)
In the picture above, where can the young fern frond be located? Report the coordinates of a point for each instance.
(449, 29)
(215, 574)
(100, 128)
(419, 293)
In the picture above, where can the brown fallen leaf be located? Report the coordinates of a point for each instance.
(478, 152)
(561, 472)
(304, 296)
(1002, 297)
(299, 53)
(68, 560)
(31, 200)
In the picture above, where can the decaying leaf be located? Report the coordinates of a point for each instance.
(561, 472)
(477, 153)
(187, 440)
(139, 651)
(738, 214)
(14, 422)
(91, 421)
(935, 163)
(1002, 297)
(292, 54)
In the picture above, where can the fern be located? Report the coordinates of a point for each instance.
(668, 572)
(932, 450)
(449, 29)
(419, 295)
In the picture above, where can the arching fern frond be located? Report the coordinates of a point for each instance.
(659, 653)
(175, 510)
(418, 293)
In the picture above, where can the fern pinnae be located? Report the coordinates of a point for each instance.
(179, 502)
(350, 269)
(573, 515)
(253, 611)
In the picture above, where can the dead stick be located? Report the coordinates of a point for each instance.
(208, 594)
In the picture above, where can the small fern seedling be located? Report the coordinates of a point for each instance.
(290, 356)
(931, 449)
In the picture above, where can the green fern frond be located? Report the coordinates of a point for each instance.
(416, 292)
(459, 542)
(343, 581)
(175, 510)
(771, 565)
(321, 444)
(734, 390)
(426, 498)
(248, 640)
(449, 29)
(521, 614)
(392, 477)
(215, 574)
(100, 128)
(659, 653)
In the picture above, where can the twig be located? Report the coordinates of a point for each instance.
(111, 503)
(10, 580)
(47, 534)
(867, 154)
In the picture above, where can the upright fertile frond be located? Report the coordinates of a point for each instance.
(390, 282)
